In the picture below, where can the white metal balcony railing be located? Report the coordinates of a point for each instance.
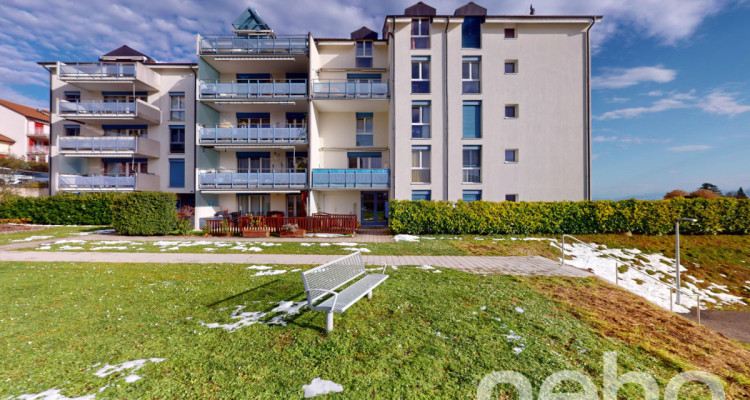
(253, 135)
(351, 178)
(253, 89)
(94, 144)
(140, 182)
(350, 89)
(227, 45)
(98, 71)
(261, 179)
(39, 150)
(98, 109)
(38, 132)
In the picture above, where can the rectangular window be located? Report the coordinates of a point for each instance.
(420, 74)
(115, 166)
(364, 130)
(365, 160)
(472, 128)
(511, 156)
(296, 120)
(253, 161)
(72, 96)
(421, 195)
(420, 164)
(177, 139)
(125, 130)
(472, 195)
(364, 55)
(471, 33)
(72, 130)
(511, 197)
(176, 173)
(511, 111)
(420, 119)
(470, 75)
(253, 120)
(258, 205)
(472, 170)
(510, 33)
(420, 33)
(177, 106)
(124, 97)
(511, 66)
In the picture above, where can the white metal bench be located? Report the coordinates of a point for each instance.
(325, 279)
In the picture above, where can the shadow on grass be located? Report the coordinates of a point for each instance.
(242, 293)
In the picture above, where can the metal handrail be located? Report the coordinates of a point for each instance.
(98, 70)
(252, 134)
(253, 88)
(697, 297)
(222, 44)
(351, 88)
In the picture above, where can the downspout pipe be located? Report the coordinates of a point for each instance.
(587, 138)
(392, 151)
(446, 150)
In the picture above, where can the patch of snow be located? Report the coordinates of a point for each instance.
(66, 247)
(271, 272)
(206, 249)
(321, 386)
(483, 308)
(52, 394)
(325, 235)
(306, 244)
(97, 232)
(519, 310)
(405, 238)
(393, 267)
(130, 366)
(109, 248)
(30, 238)
(284, 309)
(425, 267)
(360, 249)
(132, 378)
(325, 244)
(517, 350)
(259, 267)
(71, 241)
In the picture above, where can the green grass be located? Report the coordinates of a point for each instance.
(55, 232)
(60, 319)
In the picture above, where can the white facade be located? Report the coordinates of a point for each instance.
(29, 128)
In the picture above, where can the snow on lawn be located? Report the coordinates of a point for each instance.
(430, 269)
(651, 280)
(51, 394)
(30, 238)
(405, 238)
(283, 310)
(130, 366)
(325, 235)
(321, 386)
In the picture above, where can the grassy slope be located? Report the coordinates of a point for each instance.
(58, 319)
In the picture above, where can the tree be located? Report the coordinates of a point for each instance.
(740, 194)
(711, 187)
(704, 194)
(675, 193)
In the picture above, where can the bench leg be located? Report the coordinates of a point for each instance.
(369, 294)
(329, 321)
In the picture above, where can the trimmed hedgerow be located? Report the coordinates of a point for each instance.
(724, 215)
(145, 214)
(61, 209)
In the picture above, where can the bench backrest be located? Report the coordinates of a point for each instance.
(332, 275)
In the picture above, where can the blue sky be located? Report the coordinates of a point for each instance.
(671, 97)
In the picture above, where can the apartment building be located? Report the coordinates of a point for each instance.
(24, 132)
(122, 123)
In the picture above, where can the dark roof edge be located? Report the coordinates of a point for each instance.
(97, 62)
(347, 40)
(501, 16)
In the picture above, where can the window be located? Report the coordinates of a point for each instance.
(472, 128)
(294, 206)
(117, 167)
(511, 156)
(176, 173)
(511, 67)
(511, 111)
(420, 164)
(254, 78)
(420, 120)
(177, 106)
(470, 75)
(72, 130)
(296, 120)
(510, 33)
(420, 74)
(72, 96)
(124, 97)
(364, 130)
(472, 164)
(125, 130)
(471, 33)
(511, 197)
(258, 205)
(364, 55)
(365, 160)
(421, 195)
(253, 161)
(420, 33)
(177, 139)
(254, 120)
(472, 195)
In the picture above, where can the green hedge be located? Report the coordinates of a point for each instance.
(145, 213)
(724, 215)
(61, 209)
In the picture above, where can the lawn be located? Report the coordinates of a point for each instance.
(423, 335)
(51, 232)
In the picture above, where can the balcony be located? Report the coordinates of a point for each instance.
(350, 178)
(229, 181)
(253, 90)
(103, 112)
(231, 45)
(38, 132)
(106, 146)
(108, 183)
(38, 149)
(350, 89)
(90, 76)
(269, 136)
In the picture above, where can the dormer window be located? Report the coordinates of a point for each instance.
(420, 33)
(364, 54)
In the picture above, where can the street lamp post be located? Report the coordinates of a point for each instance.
(677, 252)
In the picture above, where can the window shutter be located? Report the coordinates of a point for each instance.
(176, 173)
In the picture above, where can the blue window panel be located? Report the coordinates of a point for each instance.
(297, 154)
(472, 195)
(110, 127)
(296, 75)
(365, 140)
(124, 93)
(510, 111)
(363, 154)
(176, 93)
(253, 154)
(420, 103)
(472, 120)
(511, 156)
(253, 115)
(421, 195)
(176, 173)
(364, 115)
(253, 76)
(292, 115)
(471, 33)
(124, 159)
(363, 76)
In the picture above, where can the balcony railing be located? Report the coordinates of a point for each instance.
(262, 179)
(229, 45)
(98, 71)
(38, 132)
(140, 182)
(253, 135)
(39, 150)
(253, 89)
(96, 144)
(350, 89)
(97, 109)
(350, 178)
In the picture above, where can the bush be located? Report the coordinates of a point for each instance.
(723, 215)
(675, 193)
(704, 194)
(61, 209)
(145, 214)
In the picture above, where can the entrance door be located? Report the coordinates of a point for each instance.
(374, 208)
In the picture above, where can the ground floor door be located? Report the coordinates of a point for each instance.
(374, 208)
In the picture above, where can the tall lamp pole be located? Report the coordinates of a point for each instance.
(677, 252)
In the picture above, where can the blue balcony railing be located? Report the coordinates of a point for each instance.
(114, 108)
(97, 70)
(97, 182)
(350, 89)
(253, 89)
(106, 143)
(350, 178)
(229, 45)
(253, 135)
(237, 180)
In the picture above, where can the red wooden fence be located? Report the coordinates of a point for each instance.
(319, 223)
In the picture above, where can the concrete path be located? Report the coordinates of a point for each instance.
(732, 324)
(474, 264)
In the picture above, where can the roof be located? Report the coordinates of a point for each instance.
(125, 52)
(5, 139)
(470, 9)
(27, 112)
(420, 9)
(250, 20)
(364, 33)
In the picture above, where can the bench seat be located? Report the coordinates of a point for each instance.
(352, 294)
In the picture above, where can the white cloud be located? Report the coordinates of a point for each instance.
(655, 93)
(603, 139)
(619, 78)
(720, 102)
(696, 147)
(657, 106)
(617, 100)
(716, 102)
